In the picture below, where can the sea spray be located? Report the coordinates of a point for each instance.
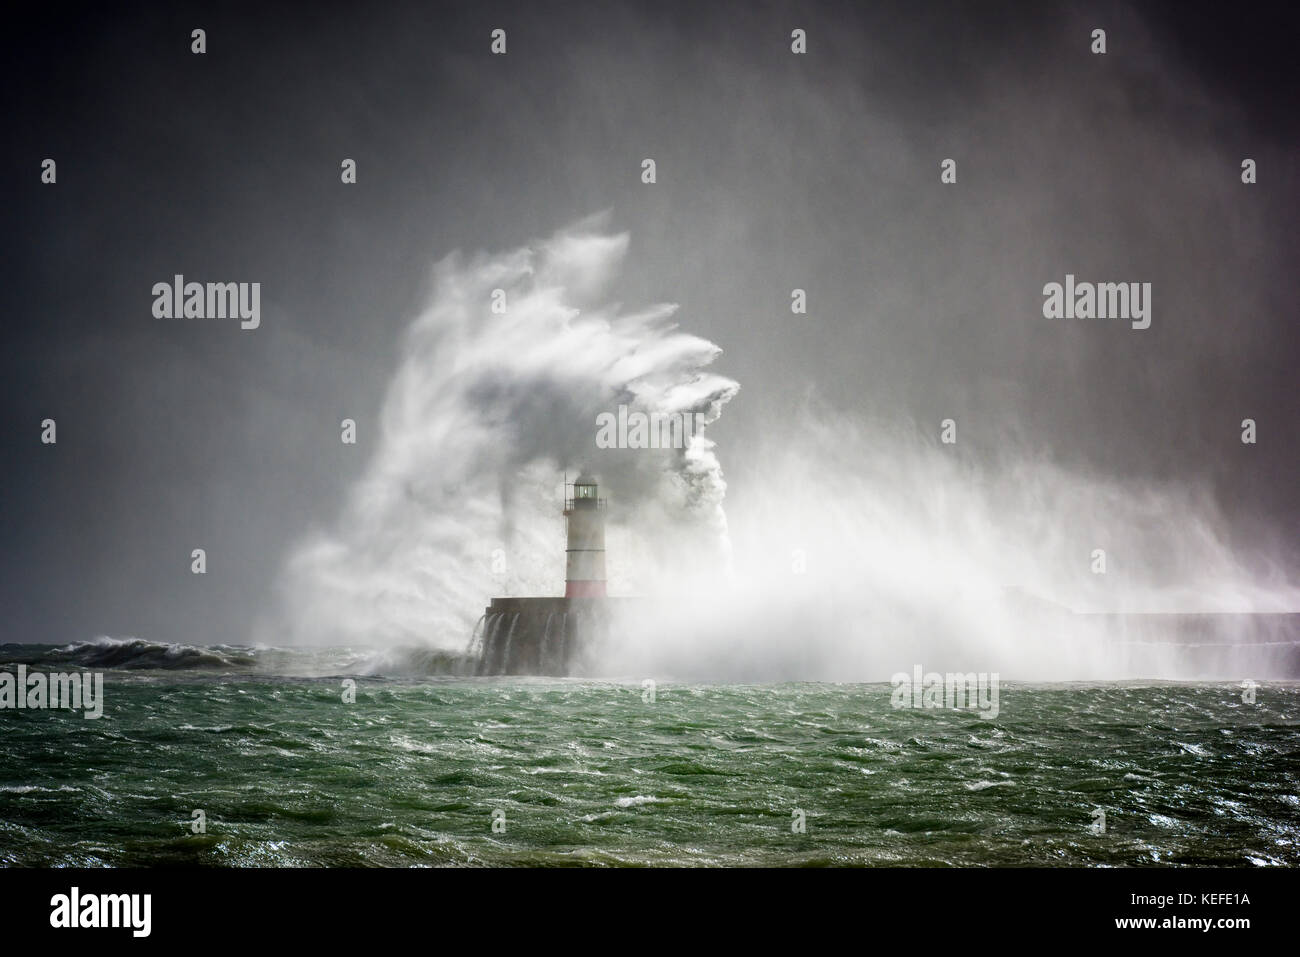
(501, 378)
(865, 542)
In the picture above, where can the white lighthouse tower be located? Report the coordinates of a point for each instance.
(585, 565)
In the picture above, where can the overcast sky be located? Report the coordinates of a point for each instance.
(775, 171)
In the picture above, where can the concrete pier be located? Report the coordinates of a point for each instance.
(543, 636)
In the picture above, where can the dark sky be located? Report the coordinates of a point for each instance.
(775, 171)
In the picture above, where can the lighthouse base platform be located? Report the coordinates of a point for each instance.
(543, 636)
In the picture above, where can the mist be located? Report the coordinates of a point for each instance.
(858, 546)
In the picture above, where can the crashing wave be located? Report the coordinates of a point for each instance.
(416, 661)
(137, 654)
(130, 654)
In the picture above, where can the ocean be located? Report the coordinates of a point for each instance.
(427, 767)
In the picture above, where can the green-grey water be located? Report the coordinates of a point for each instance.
(416, 770)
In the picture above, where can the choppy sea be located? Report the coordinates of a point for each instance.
(428, 767)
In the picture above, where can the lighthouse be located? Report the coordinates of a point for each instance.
(553, 635)
(585, 554)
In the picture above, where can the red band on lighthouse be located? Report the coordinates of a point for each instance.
(584, 589)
